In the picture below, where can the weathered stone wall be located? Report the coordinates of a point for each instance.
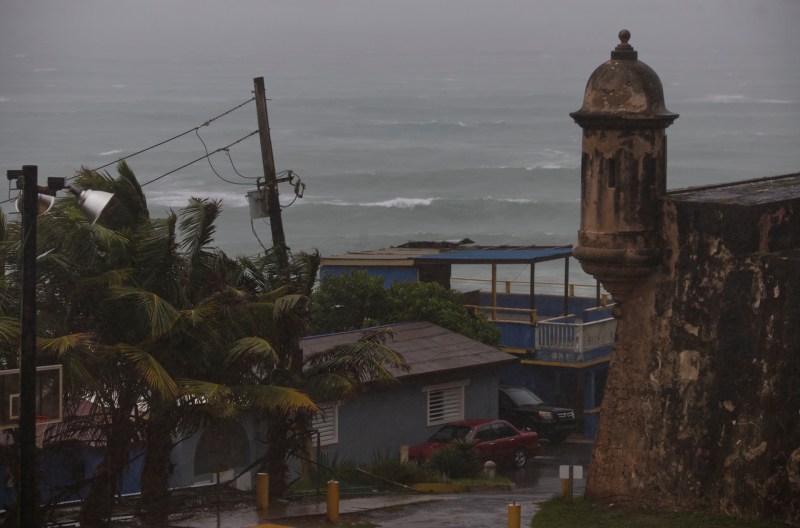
(702, 404)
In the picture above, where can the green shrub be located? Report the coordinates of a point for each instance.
(408, 473)
(457, 460)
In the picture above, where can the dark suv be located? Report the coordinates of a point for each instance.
(528, 412)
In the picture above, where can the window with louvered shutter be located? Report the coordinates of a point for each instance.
(326, 424)
(445, 403)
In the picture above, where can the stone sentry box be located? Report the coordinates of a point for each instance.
(702, 402)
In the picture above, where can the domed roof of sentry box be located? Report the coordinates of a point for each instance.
(624, 92)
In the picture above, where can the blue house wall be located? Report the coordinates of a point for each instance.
(380, 422)
(546, 305)
(64, 465)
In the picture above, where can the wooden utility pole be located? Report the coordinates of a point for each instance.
(270, 177)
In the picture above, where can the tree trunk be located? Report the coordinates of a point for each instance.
(157, 470)
(98, 505)
(275, 461)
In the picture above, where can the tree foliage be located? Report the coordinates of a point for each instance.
(357, 300)
(163, 333)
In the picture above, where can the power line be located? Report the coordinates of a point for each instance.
(228, 152)
(208, 158)
(201, 158)
(207, 123)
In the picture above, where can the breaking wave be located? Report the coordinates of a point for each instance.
(725, 98)
(398, 203)
(110, 152)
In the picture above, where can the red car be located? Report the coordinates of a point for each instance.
(495, 440)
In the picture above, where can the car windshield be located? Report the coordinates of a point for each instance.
(523, 397)
(448, 433)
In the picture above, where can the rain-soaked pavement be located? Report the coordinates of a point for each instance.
(537, 482)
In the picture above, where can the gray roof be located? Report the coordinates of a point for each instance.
(744, 193)
(426, 347)
(440, 252)
(501, 255)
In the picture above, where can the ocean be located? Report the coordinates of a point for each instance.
(405, 120)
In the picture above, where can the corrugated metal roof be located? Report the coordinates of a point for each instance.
(404, 256)
(379, 257)
(426, 347)
(500, 256)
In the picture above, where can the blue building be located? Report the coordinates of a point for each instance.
(562, 341)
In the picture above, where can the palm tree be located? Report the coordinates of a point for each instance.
(203, 321)
(77, 265)
(332, 375)
(160, 330)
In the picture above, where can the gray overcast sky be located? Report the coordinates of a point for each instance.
(151, 26)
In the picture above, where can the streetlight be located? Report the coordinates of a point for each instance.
(36, 200)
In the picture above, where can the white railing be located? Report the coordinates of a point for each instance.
(577, 337)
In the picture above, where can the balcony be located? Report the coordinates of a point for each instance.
(566, 339)
(585, 334)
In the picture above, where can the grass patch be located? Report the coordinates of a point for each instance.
(555, 513)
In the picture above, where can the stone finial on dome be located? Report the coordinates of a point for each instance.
(624, 92)
(624, 51)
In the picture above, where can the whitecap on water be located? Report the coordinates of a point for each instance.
(110, 152)
(724, 98)
(402, 203)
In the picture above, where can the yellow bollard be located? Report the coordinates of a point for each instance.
(565, 489)
(332, 514)
(514, 515)
(262, 492)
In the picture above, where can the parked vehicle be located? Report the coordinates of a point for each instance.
(495, 440)
(529, 412)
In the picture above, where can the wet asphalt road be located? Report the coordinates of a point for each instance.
(537, 482)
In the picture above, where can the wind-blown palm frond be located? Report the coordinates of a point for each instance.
(134, 199)
(9, 329)
(273, 397)
(252, 348)
(73, 351)
(160, 314)
(291, 312)
(110, 278)
(304, 269)
(63, 345)
(197, 224)
(160, 265)
(378, 335)
(195, 316)
(57, 264)
(106, 238)
(364, 362)
(290, 303)
(216, 397)
(368, 359)
(151, 371)
(328, 386)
